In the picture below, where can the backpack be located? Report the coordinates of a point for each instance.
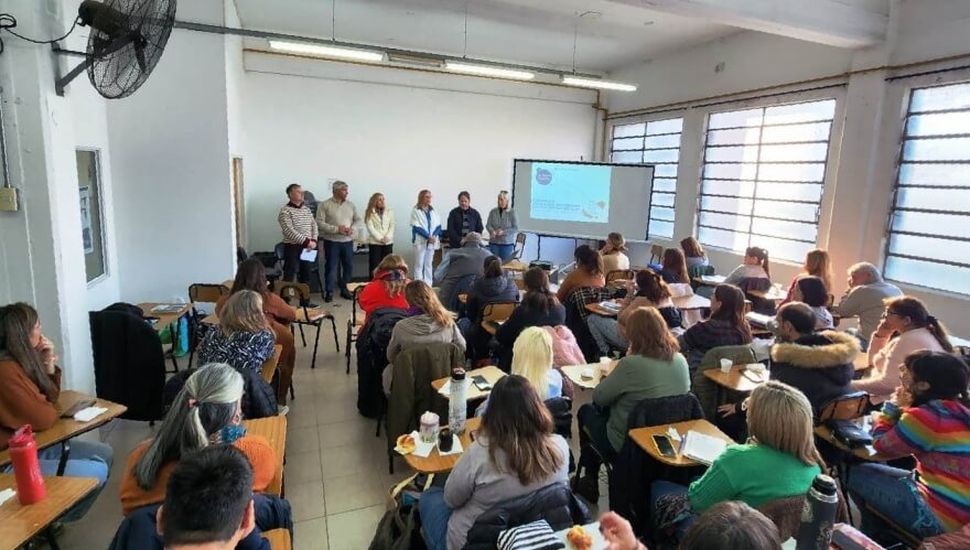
(399, 528)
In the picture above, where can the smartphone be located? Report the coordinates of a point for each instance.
(481, 383)
(663, 446)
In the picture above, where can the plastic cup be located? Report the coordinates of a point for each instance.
(605, 360)
(726, 365)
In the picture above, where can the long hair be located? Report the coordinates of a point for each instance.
(761, 254)
(589, 259)
(16, 323)
(819, 264)
(250, 275)
(813, 289)
(243, 312)
(420, 295)
(616, 242)
(532, 358)
(421, 193)
(206, 404)
(394, 286)
(946, 374)
(651, 286)
(372, 205)
(649, 336)
(518, 423)
(537, 297)
(919, 316)
(674, 262)
(732, 309)
(493, 268)
(692, 248)
(780, 417)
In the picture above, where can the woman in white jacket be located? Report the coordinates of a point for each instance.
(425, 236)
(379, 221)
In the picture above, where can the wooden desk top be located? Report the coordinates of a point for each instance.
(66, 428)
(279, 539)
(313, 314)
(574, 373)
(599, 310)
(491, 373)
(435, 463)
(164, 319)
(865, 453)
(352, 287)
(694, 301)
(491, 327)
(737, 380)
(709, 280)
(272, 428)
(228, 283)
(18, 523)
(644, 438)
(515, 265)
(774, 293)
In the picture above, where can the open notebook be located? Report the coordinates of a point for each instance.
(702, 448)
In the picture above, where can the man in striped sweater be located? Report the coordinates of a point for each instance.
(299, 234)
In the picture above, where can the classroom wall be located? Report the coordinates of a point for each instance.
(861, 173)
(396, 132)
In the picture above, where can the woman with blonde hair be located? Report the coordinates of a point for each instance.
(652, 368)
(503, 227)
(243, 338)
(614, 253)
(425, 236)
(817, 264)
(386, 289)
(780, 441)
(379, 221)
(532, 360)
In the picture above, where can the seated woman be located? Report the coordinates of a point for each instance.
(429, 323)
(652, 368)
(754, 273)
(725, 327)
(31, 383)
(809, 290)
(674, 267)
(588, 272)
(781, 442)
(206, 412)
(906, 327)
(386, 289)
(493, 286)
(251, 275)
(817, 264)
(614, 253)
(532, 360)
(243, 338)
(539, 308)
(928, 417)
(650, 291)
(693, 253)
(514, 453)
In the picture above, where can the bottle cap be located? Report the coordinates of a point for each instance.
(824, 484)
(22, 437)
(457, 374)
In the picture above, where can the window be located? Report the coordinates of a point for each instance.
(658, 143)
(929, 229)
(763, 175)
(92, 238)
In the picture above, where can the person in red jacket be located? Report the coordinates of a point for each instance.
(387, 287)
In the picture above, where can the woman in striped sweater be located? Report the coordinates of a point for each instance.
(928, 417)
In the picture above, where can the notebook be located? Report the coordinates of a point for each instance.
(610, 306)
(758, 319)
(702, 448)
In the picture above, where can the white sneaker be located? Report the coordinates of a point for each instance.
(281, 410)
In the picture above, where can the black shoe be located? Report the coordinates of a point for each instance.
(346, 295)
(587, 486)
(328, 298)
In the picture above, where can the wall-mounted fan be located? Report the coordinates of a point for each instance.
(126, 41)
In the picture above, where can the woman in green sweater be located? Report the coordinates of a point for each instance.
(653, 367)
(781, 443)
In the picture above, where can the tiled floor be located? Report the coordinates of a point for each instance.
(336, 469)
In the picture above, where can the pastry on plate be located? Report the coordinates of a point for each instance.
(578, 538)
(405, 444)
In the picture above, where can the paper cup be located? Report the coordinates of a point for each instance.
(605, 360)
(726, 365)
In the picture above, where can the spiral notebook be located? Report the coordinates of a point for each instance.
(702, 448)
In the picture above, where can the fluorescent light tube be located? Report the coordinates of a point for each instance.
(594, 83)
(323, 50)
(488, 70)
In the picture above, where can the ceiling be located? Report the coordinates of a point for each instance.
(534, 32)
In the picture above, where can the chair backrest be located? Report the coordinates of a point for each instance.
(700, 270)
(290, 290)
(554, 503)
(269, 367)
(561, 409)
(619, 274)
(279, 250)
(519, 245)
(207, 292)
(845, 407)
(498, 311)
(703, 387)
(664, 410)
(656, 251)
(785, 513)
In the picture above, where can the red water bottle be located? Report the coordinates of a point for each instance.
(26, 469)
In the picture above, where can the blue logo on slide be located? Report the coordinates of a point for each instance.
(543, 176)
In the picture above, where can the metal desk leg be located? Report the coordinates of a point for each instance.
(65, 454)
(51, 537)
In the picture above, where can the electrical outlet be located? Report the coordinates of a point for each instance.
(8, 199)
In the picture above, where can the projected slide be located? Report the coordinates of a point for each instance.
(570, 192)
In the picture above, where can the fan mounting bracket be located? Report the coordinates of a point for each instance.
(61, 81)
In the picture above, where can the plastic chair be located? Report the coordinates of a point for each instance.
(496, 312)
(269, 367)
(353, 326)
(307, 316)
(656, 253)
(619, 274)
(845, 407)
(706, 390)
(206, 293)
(519, 245)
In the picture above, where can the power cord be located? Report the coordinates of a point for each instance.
(8, 22)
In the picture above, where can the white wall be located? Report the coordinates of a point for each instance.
(860, 176)
(395, 132)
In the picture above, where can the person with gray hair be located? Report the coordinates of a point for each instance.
(502, 227)
(337, 217)
(207, 411)
(864, 298)
(459, 268)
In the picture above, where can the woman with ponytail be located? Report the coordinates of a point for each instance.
(906, 327)
(927, 417)
(206, 412)
(755, 266)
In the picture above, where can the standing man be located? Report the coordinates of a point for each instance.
(299, 234)
(463, 220)
(337, 217)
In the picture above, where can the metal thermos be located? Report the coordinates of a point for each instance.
(457, 405)
(818, 515)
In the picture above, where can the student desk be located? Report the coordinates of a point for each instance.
(491, 327)
(774, 294)
(709, 280)
(66, 428)
(739, 379)
(435, 463)
(600, 371)
(867, 453)
(515, 265)
(19, 523)
(279, 539)
(644, 438)
(491, 373)
(312, 314)
(165, 319)
(273, 429)
(683, 303)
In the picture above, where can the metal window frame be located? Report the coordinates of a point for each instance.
(895, 207)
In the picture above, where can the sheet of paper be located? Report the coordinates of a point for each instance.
(446, 389)
(702, 447)
(308, 255)
(421, 448)
(89, 414)
(6, 495)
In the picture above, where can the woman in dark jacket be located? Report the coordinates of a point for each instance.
(494, 286)
(539, 308)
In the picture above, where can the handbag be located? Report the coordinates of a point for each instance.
(399, 528)
(848, 433)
